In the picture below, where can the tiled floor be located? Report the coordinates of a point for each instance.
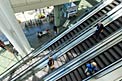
(7, 59)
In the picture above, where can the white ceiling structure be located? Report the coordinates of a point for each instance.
(25, 5)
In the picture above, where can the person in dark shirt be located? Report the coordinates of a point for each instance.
(55, 30)
(51, 64)
(100, 28)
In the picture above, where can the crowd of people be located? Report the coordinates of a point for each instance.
(32, 23)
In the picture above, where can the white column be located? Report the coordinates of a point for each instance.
(11, 28)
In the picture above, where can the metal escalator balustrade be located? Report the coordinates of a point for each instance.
(103, 60)
(44, 47)
(85, 45)
(76, 51)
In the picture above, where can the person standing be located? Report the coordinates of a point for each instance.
(99, 29)
(51, 64)
(91, 68)
(55, 30)
(2, 45)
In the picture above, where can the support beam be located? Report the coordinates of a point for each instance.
(11, 28)
(57, 15)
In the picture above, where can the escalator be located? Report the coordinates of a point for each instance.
(103, 60)
(83, 25)
(69, 36)
(87, 44)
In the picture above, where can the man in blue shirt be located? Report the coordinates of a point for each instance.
(91, 68)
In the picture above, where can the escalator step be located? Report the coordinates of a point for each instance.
(99, 62)
(75, 31)
(100, 14)
(118, 50)
(73, 53)
(81, 71)
(73, 77)
(77, 51)
(85, 24)
(63, 79)
(80, 48)
(109, 57)
(92, 19)
(96, 16)
(82, 26)
(68, 78)
(89, 43)
(104, 59)
(103, 11)
(76, 73)
(79, 29)
(92, 40)
(114, 54)
(69, 54)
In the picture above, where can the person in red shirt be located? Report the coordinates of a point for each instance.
(2, 45)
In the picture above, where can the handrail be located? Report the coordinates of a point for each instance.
(83, 58)
(99, 45)
(83, 33)
(42, 49)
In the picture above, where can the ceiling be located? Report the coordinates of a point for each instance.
(25, 5)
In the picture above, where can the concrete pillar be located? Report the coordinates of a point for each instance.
(12, 29)
(57, 15)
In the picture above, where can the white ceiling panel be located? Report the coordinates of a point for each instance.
(33, 1)
(18, 2)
